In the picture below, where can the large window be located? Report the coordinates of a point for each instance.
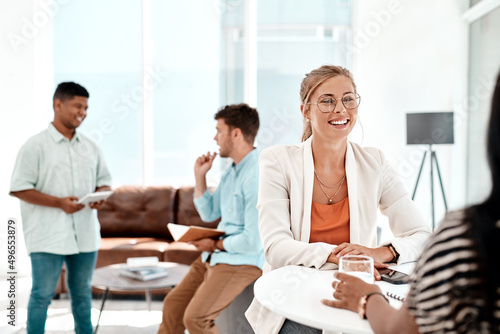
(295, 37)
(102, 51)
(186, 48)
(159, 71)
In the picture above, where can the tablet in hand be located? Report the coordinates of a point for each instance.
(94, 197)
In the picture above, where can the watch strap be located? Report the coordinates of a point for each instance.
(364, 300)
(395, 254)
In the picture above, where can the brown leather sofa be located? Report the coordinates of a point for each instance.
(134, 224)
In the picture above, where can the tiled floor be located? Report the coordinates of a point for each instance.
(119, 316)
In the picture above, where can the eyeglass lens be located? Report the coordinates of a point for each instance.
(327, 103)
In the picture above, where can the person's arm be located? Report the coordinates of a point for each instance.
(405, 219)
(25, 177)
(33, 196)
(383, 318)
(248, 240)
(406, 222)
(201, 167)
(280, 246)
(207, 204)
(379, 254)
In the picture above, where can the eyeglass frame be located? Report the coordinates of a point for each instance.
(358, 98)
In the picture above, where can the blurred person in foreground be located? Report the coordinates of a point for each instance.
(455, 287)
(319, 200)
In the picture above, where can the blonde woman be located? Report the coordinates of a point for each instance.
(319, 200)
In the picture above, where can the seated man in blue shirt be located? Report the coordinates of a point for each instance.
(228, 265)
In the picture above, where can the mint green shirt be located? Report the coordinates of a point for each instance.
(54, 165)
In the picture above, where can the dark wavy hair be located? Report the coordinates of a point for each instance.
(243, 117)
(484, 219)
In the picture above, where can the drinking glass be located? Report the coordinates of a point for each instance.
(360, 266)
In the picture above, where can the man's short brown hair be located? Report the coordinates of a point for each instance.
(243, 117)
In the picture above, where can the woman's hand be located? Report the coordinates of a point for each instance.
(379, 254)
(333, 258)
(377, 265)
(348, 292)
(355, 249)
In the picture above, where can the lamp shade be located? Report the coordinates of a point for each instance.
(429, 128)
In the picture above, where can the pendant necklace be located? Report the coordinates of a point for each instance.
(321, 184)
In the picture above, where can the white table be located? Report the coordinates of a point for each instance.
(108, 279)
(296, 292)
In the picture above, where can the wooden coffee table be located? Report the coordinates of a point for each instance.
(108, 279)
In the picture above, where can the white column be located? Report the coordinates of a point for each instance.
(147, 94)
(250, 72)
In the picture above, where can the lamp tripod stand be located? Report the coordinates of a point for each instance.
(433, 159)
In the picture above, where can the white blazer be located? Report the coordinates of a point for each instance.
(284, 204)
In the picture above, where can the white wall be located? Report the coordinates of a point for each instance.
(408, 57)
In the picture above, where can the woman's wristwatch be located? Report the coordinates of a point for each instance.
(395, 254)
(364, 300)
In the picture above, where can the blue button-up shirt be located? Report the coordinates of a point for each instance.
(54, 165)
(235, 201)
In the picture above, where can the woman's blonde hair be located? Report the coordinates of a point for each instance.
(312, 80)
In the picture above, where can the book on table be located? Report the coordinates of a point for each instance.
(183, 233)
(144, 273)
(145, 262)
(143, 268)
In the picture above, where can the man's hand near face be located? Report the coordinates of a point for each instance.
(201, 168)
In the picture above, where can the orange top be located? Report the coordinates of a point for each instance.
(330, 222)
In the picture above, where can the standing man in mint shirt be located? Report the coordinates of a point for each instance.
(53, 169)
(228, 265)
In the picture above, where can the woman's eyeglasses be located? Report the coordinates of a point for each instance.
(327, 103)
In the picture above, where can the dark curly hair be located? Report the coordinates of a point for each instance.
(243, 117)
(68, 90)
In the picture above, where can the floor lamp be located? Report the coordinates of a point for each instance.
(430, 128)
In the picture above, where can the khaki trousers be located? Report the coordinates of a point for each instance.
(201, 296)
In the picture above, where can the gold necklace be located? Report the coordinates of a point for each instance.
(330, 199)
(336, 184)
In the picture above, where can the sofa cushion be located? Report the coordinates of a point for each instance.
(186, 211)
(135, 211)
(118, 250)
